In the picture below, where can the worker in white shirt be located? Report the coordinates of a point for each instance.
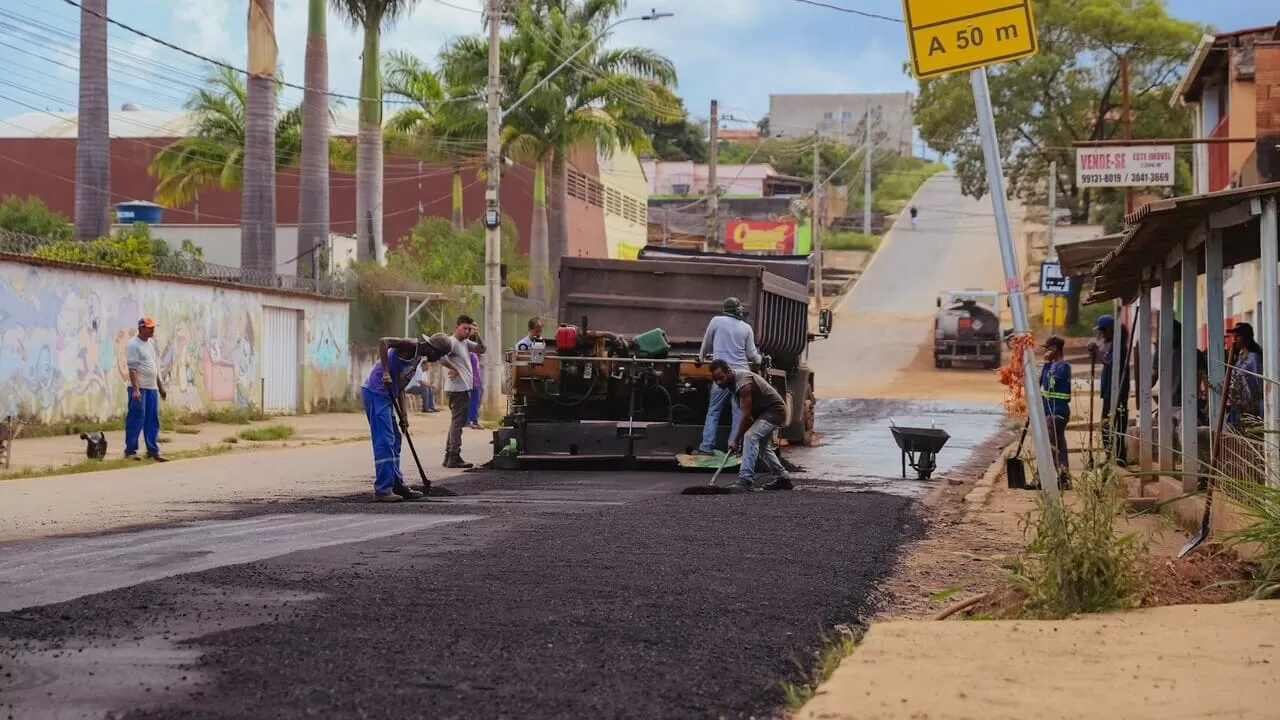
(145, 392)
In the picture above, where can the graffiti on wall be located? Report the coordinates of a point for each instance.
(63, 336)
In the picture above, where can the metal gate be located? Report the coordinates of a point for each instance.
(280, 342)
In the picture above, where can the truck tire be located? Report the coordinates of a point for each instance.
(800, 401)
(997, 358)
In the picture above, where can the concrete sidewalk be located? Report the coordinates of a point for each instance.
(203, 487)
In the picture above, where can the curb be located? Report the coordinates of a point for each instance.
(982, 489)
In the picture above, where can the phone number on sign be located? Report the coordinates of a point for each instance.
(1130, 178)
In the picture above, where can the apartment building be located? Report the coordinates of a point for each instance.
(839, 117)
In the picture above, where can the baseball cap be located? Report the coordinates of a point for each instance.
(147, 322)
(1105, 322)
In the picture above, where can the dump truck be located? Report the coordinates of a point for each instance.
(967, 329)
(620, 376)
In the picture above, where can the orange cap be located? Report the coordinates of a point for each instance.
(147, 322)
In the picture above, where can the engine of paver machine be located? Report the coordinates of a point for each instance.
(582, 374)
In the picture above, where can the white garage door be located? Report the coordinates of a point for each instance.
(280, 359)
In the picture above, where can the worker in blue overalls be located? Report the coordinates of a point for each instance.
(1055, 391)
(399, 358)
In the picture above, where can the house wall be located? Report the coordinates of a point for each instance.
(663, 177)
(1244, 121)
(64, 328)
(626, 207)
(585, 205)
(220, 244)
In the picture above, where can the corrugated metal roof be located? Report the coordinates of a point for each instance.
(136, 124)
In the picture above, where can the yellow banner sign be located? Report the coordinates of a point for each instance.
(946, 36)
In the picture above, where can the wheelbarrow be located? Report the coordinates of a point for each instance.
(920, 447)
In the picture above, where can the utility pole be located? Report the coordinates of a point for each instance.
(713, 193)
(867, 156)
(1053, 250)
(1127, 120)
(815, 226)
(493, 222)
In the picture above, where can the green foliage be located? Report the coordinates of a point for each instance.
(682, 140)
(132, 250)
(1076, 562)
(896, 187)
(1261, 503)
(848, 240)
(30, 216)
(267, 433)
(1069, 92)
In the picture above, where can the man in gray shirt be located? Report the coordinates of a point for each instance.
(763, 411)
(458, 387)
(731, 339)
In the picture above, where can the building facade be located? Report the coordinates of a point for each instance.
(839, 117)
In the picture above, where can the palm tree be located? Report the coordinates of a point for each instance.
(214, 152)
(438, 123)
(93, 139)
(313, 192)
(371, 17)
(258, 208)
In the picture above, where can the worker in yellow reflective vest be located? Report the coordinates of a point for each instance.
(1055, 388)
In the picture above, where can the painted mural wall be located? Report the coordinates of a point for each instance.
(63, 334)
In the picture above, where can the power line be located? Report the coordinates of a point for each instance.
(851, 11)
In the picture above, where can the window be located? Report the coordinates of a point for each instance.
(846, 115)
(828, 115)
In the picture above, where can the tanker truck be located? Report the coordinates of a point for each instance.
(967, 329)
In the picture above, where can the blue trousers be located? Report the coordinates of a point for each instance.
(384, 431)
(143, 416)
(719, 396)
(759, 442)
(473, 406)
(428, 397)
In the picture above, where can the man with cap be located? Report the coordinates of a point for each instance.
(145, 392)
(1114, 425)
(731, 339)
(399, 358)
(1055, 390)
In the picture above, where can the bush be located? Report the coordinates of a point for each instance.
(1262, 504)
(133, 251)
(268, 433)
(848, 240)
(1076, 563)
(30, 216)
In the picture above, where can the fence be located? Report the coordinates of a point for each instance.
(188, 266)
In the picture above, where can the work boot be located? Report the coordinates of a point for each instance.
(742, 486)
(781, 483)
(390, 497)
(157, 458)
(457, 463)
(406, 492)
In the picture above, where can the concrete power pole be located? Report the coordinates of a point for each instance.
(713, 193)
(815, 224)
(1053, 251)
(867, 157)
(493, 223)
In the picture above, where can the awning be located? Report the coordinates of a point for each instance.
(1078, 257)
(1157, 228)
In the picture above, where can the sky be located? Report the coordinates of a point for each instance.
(736, 51)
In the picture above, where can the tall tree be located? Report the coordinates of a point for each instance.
(258, 208)
(213, 154)
(683, 140)
(440, 125)
(1069, 92)
(371, 17)
(313, 193)
(93, 139)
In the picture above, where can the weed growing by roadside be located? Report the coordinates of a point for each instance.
(118, 463)
(1262, 503)
(832, 650)
(1076, 562)
(346, 404)
(267, 433)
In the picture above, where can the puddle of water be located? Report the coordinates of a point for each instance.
(857, 448)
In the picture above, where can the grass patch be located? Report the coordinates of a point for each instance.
(834, 648)
(348, 404)
(186, 430)
(268, 433)
(897, 189)
(119, 463)
(1262, 504)
(231, 439)
(1076, 562)
(164, 439)
(849, 240)
(74, 426)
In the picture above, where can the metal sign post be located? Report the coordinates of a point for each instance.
(946, 36)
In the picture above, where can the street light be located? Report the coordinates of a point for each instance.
(493, 211)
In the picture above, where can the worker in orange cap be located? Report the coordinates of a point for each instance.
(145, 392)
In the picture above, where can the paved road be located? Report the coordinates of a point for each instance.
(579, 594)
(884, 324)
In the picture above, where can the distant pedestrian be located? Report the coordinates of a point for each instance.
(731, 339)
(914, 213)
(1244, 396)
(399, 357)
(763, 412)
(1055, 389)
(145, 392)
(1115, 424)
(477, 391)
(465, 342)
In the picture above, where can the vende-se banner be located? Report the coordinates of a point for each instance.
(1134, 166)
(760, 236)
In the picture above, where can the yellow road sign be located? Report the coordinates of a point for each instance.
(947, 36)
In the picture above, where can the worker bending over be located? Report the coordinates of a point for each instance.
(399, 357)
(730, 339)
(763, 411)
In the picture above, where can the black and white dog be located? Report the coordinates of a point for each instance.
(95, 445)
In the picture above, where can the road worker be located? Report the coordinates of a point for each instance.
(728, 338)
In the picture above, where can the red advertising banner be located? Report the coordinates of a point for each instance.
(760, 236)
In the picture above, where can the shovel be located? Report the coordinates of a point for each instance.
(710, 488)
(1215, 456)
